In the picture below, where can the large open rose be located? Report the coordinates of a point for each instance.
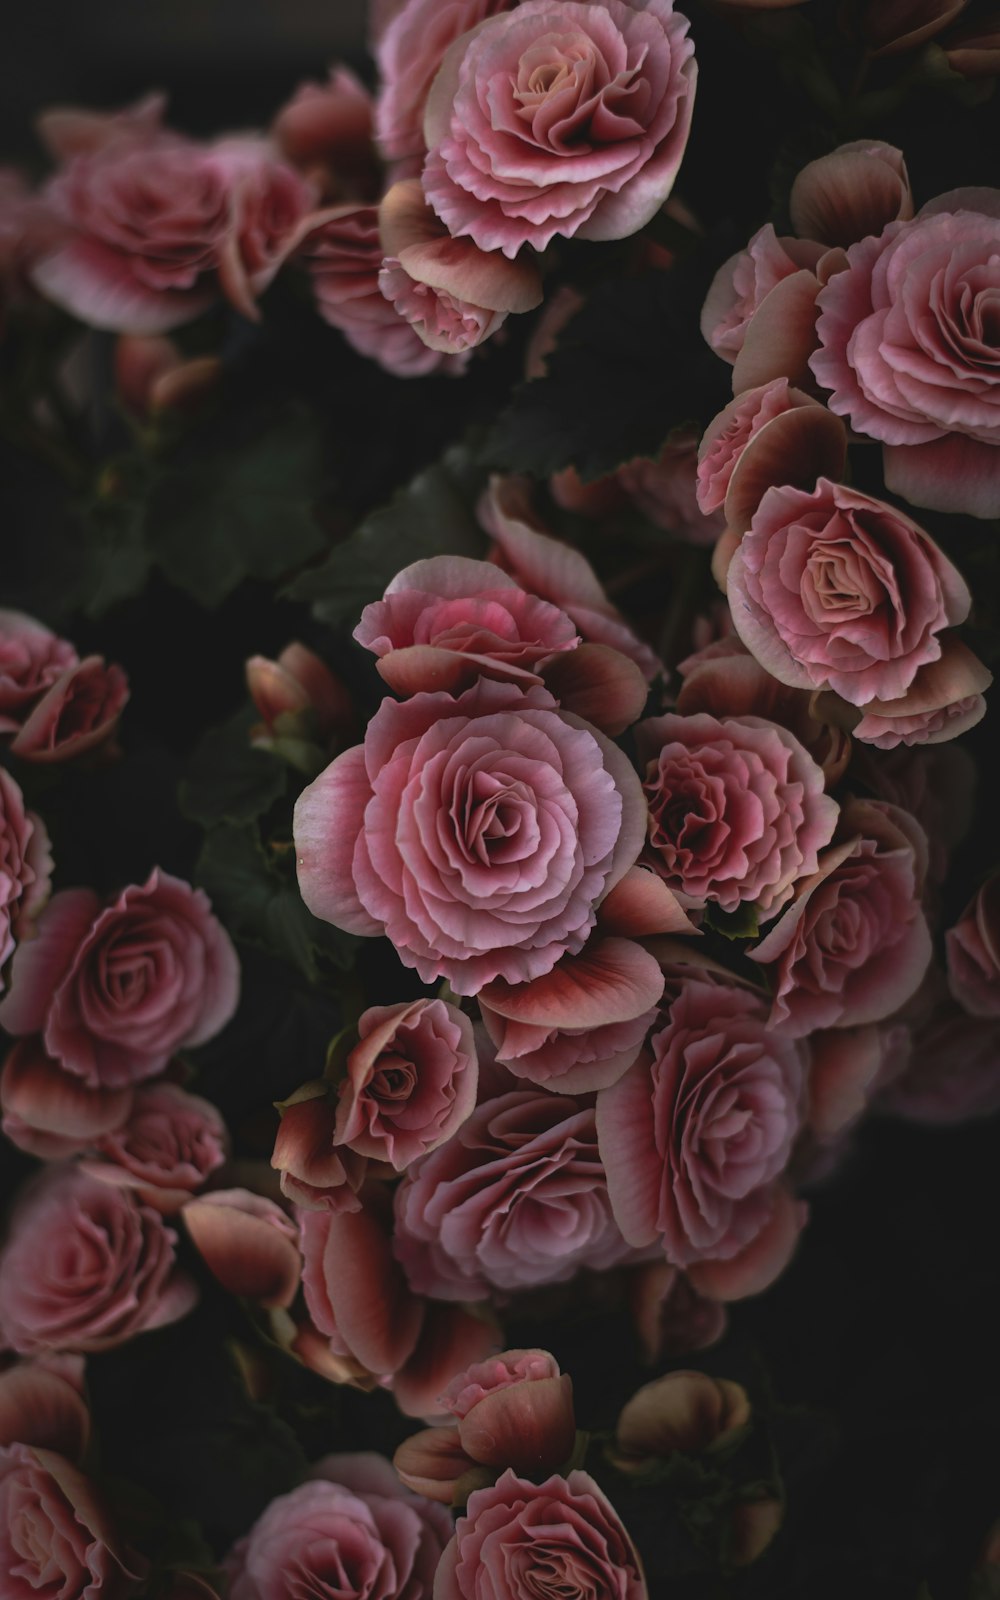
(560, 118)
(478, 833)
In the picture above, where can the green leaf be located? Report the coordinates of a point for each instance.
(261, 904)
(228, 780)
(236, 501)
(434, 515)
(743, 923)
(631, 366)
(117, 561)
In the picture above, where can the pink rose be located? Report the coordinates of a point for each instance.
(166, 1150)
(68, 131)
(854, 944)
(77, 713)
(116, 990)
(326, 129)
(31, 660)
(56, 1537)
(409, 1084)
(837, 590)
(515, 1200)
(478, 833)
(314, 1172)
(744, 282)
(514, 1410)
(565, 1528)
(344, 256)
(352, 1530)
(770, 435)
(974, 953)
(853, 192)
(908, 349)
(247, 1243)
(666, 491)
(944, 700)
(409, 52)
(52, 1113)
(86, 1267)
(737, 809)
(25, 868)
(697, 1134)
(560, 119)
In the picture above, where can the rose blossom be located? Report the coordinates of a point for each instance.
(837, 590)
(854, 944)
(314, 1172)
(167, 1149)
(115, 990)
(560, 118)
(247, 1243)
(908, 348)
(670, 1317)
(408, 54)
(52, 1113)
(516, 1199)
(851, 193)
(770, 434)
(514, 1410)
(326, 130)
(698, 1132)
(86, 1266)
(56, 1537)
(25, 867)
(32, 657)
(77, 713)
(478, 833)
(409, 1084)
(974, 953)
(343, 255)
(944, 700)
(351, 1530)
(737, 809)
(742, 284)
(517, 1535)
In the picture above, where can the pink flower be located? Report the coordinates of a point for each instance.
(666, 491)
(166, 1150)
(974, 953)
(52, 1113)
(565, 1528)
(686, 1411)
(86, 1266)
(478, 833)
(837, 590)
(743, 283)
(737, 809)
(326, 129)
(77, 713)
(697, 1134)
(247, 1243)
(409, 1084)
(949, 1070)
(408, 54)
(25, 868)
(560, 119)
(297, 694)
(42, 1405)
(936, 784)
(514, 1410)
(152, 377)
(56, 1537)
(352, 1529)
(314, 1172)
(115, 990)
(908, 349)
(344, 256)
(771, 434)
(670, 1317)
(854, 944)
(515, 1200)
(853, 192)
(944, 700)
(154, 226)
(31, 660)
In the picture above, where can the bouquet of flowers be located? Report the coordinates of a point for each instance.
(499, 912)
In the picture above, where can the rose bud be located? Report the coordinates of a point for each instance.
(51, 1113)
(79, 712)
(514, 1410)
(856, 190)
(297, 695)
(153, 377)
(314, 1172)
(433, 1463)
(685, 1411)
(974, 953)
(248, 1244)
(327, 129)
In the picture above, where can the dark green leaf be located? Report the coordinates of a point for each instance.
(228, 780)
(743, 923)
(434, 515)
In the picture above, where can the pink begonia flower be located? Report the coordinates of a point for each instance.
(908, 351)
(742, 283)
(68, 131)
(408, 53)
(565, 1527)
(116, 989)
(478, 833)
(945, 699)
(42, 1405)
(523, 147)
(973, 946)
(854, 944)
(409, 1083)
(56, 1536)
(666, 491)
(78, 712)
(247, 1243)
(894, 26)
(973, 48)
(837, 590)
(25, 868)
(152, 377)
(315, 1173)
(86, 1266)
(52, 1113)
(697, 1134)
(671, 1318)
(353, 1524)
(514, 1410)
(948, 1064)
(298, 686)
(32, 658)
(936, 784)
(326, 130)
(166, 1149)
(555, 571)
(154, 228)
(515, 1200)
(737, 809)
(770, 435)
(682, 1411)
(343, 255)
(852, 193)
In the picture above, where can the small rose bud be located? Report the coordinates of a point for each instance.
(247, 1243)
(514, 1410)
(298, 694)
(685, 1411)
(315, 1173)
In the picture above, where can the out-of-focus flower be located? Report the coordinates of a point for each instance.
(79, 712)
(25, 868)
(247, 1243)
(326, 129)
(685, 1411)
(974, 953)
